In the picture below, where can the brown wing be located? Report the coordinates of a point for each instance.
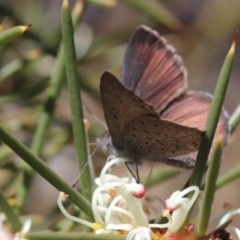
(152, 69)
(120, 106)
(153, 139)
(192, 109)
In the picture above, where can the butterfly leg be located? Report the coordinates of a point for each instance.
(136, 177)
(137, 172)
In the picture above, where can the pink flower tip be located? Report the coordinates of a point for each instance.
(63, 196)
(170, 206)
(140, 191)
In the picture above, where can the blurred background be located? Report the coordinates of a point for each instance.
(200, 30)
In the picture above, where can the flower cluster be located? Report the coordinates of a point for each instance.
(120, 207)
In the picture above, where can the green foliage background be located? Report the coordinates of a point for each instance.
(201, 31)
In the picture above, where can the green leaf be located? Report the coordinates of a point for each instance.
(47, 173)
(56, 83)
(12, 33)
(212, 120)
(209, 190)
(12, 217)
(75, 99)
(213, 116)
(235, 119)
(72, 236)
(229, 176)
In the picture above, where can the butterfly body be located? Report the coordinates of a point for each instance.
(149, 114)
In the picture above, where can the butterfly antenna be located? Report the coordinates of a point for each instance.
(84, 167)
(150, 173)
(87, 126)
(92, 144)
(92, 114)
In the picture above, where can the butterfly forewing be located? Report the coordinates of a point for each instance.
(120, 105)
(152, 69)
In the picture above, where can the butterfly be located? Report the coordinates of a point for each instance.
(150, 114)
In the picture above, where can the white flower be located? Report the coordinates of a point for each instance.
(25, 228)
(116, 203)
(119, 207)
(229, 216)
(140, 233)
(5, 234)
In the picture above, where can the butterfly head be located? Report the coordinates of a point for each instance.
(105, 143)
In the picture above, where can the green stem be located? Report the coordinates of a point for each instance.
(104, 3)
(228, 176)
(209, 191)
(235, 119)
(7, 11)
(213, 116)
(56, 83)
(47, 173)
(12, 217)
(11, 68)
(5, 152)
(212, 120)
(75, 99)
(71, 236)
(10, 34)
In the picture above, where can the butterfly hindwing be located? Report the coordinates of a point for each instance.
(153, 139)
(192, 109)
